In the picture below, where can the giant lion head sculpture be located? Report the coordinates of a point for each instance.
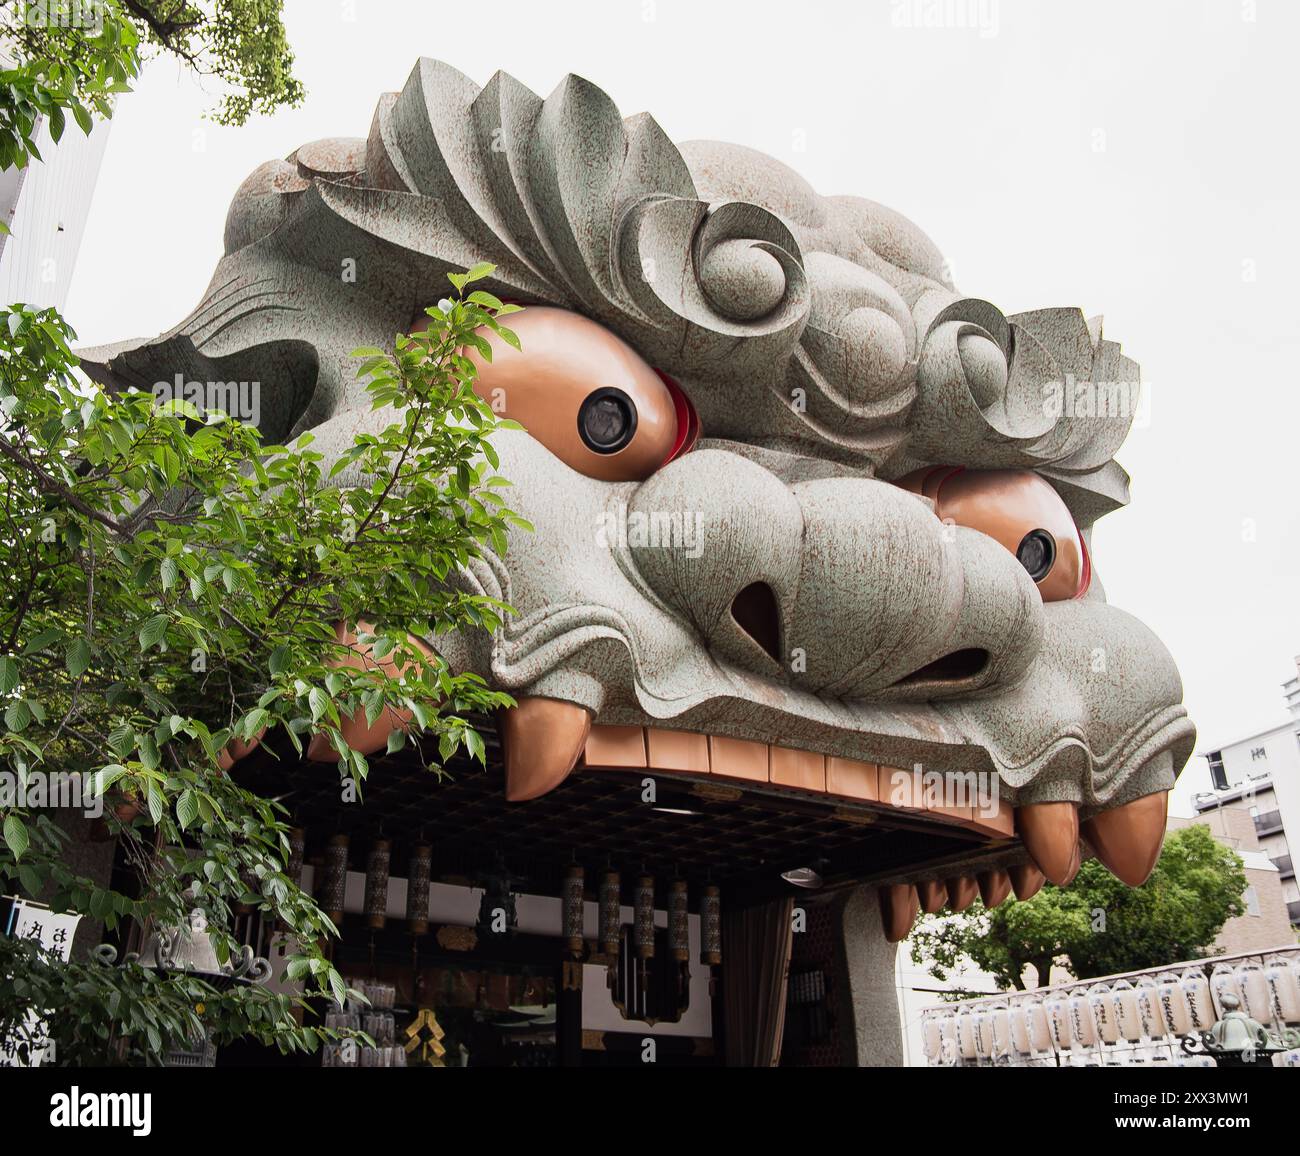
(790, 486)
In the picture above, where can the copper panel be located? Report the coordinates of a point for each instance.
(615, 747)
(852, 779)
(1000, 825)
(738, 758)
(963, 815)
(803, 769)
(898, 788)
(677, 751)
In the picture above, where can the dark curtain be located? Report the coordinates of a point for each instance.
(756, 945)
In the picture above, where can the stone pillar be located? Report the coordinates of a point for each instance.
(867, 1000)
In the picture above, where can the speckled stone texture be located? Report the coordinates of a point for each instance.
(867, 978)
(827, 352)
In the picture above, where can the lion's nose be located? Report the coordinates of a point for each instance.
(845, 586)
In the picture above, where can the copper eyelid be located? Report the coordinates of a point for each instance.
(564, 357)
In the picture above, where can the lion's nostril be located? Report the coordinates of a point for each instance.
(755, 612)
(954, 667)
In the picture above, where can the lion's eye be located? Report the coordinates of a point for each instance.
(607, 420)
(1037, 553)
(1019, 509)
(585, 394)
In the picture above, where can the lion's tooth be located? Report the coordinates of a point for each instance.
(898, 907)
(933, 894)
(1127, 839)
(1050, 833)
(995, 886)
(1026, 880)
(356, 731)
(962, 890)
(541, 740)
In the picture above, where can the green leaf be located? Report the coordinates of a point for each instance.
(157, 803)
(8, 674)
(99, 781)
(41, 641)
(187, 808)
(17, 715)
(76, 657)
(319, 702)
(16, 836)
(153, 631)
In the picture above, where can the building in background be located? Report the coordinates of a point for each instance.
(45, 206)
(1262, 773)
(1266, 922)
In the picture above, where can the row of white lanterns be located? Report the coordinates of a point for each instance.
(1150, 1010)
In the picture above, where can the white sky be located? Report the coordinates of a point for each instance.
(1134, 159)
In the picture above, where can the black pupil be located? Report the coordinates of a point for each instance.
(606, 420)
(1036, 553)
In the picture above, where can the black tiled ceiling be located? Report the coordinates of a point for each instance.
(595, 818)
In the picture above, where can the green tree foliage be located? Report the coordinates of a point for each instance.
(71, 58)
(168, 583)
(1100, 924)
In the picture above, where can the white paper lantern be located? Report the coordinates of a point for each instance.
(982, 1021)
(1201, 1009)
(966, 1034)
(1149, 1009)
(1173, 1004)
(1002, 1042)
(1085, 1029)
(1036, 1025)
(1128, 1017)
(1058, 1019)
(932, 1037)
(1253, 984)
(1103, 1013)
(1223, 981)
(1284, 989)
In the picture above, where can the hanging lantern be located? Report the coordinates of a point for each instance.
(335, 881)
(417, 889)
(644, 917)
(711, 926)
(679, 942)
(376, 903)
(571, 908)
(611, 915)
